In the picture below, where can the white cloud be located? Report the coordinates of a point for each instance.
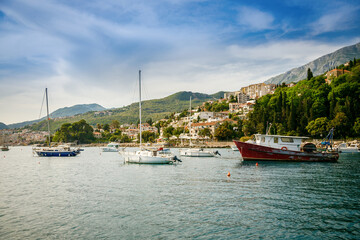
(254, 19)
(336, 18)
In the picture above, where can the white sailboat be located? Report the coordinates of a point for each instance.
(144, 156)
(195, 152)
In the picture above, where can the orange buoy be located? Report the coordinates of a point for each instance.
(228, 174)
(257, 164)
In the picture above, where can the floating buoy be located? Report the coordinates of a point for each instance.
(228, 174)
(257, 164)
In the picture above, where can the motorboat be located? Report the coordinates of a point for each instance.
(197, 152)
(55, 152)
(283, 148)
(348, 148)
(111, 147)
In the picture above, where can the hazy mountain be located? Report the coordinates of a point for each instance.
(76, 109)
(319, 66)
(3, 126)
(155, 109)
(63, 112)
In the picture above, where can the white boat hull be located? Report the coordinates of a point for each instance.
(348, 150)
(196, 153)
(145, 158)
(107, 149)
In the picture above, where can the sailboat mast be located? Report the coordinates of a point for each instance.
(190, 123)
(48, 118)
(140, 106)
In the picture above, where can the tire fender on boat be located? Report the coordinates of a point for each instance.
(284, 148)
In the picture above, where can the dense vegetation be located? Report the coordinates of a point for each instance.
(81, 132)
(311, 107)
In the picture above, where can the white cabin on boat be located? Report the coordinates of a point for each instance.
(292, 143)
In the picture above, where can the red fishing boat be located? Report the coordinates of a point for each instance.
(282, 148)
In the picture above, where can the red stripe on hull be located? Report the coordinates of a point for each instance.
(253, 152)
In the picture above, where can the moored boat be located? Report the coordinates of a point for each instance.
(60, 151)
(4, 148)
(282, 148)
(145, 156)
(351, 148)
(111, 147)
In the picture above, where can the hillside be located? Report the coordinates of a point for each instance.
(318, 66)
(3, 126)
(63, 112)
(76, 109)
(155, 109)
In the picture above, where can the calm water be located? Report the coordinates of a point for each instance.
(97, 196)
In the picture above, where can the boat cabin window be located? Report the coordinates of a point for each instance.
(287, 139)
(262, 139)
(276, 139)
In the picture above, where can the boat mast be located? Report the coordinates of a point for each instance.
(140, 105)
(48, 118)
(190, 124)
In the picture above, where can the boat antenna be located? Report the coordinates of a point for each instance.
(140, 106)
(48, 118)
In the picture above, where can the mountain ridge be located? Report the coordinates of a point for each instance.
(62, 112)
(155, 109)
(318, 66)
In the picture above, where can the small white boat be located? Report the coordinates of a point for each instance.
(111, 147)
(146, 157)
(197, 152)
(351, 148)
(234, 148)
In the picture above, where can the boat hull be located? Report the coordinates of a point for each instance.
(195, 153)
(131, 157)
(254, 152)
(56, 153)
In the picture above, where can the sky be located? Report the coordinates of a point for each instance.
(91, 51)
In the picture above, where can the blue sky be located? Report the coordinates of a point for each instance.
(91, 51)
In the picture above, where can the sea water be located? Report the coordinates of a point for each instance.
(97, 196)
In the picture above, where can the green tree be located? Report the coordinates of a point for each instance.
(318, 127)
(309, 74)
(115, 124)
(168, 132)
(206, 132)
(148, 136)
(106, 127)
(224, 132)
(356, 127)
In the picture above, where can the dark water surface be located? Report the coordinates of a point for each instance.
(97, 196)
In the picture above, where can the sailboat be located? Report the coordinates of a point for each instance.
(60, 151)
(146, 156)
(195, 152)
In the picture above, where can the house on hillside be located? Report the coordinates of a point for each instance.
(330, 75)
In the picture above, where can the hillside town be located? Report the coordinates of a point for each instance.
(194, 125)
(198, 125)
